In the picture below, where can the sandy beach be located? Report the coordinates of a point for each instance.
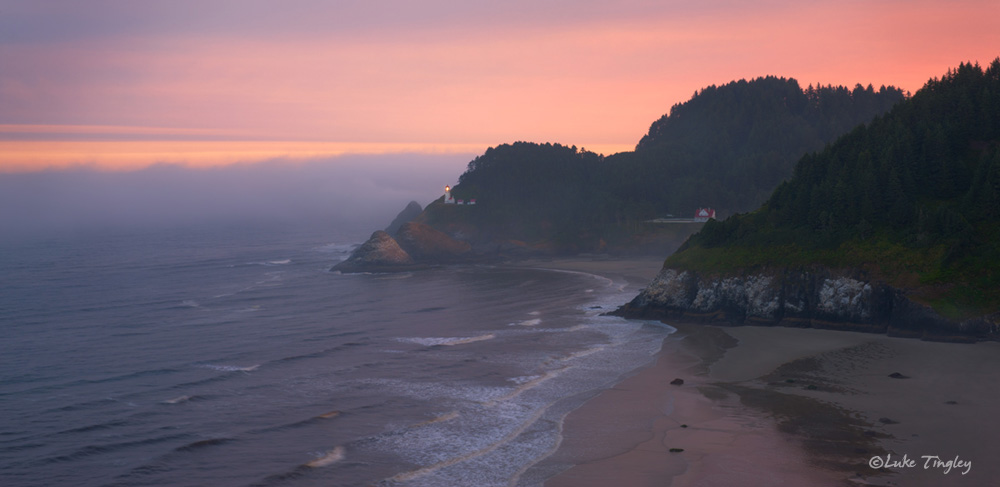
(763, 406)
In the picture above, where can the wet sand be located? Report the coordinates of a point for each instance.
(764, 406)
(636, 270)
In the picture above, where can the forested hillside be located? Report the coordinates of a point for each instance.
(728, 148)
(913, 198)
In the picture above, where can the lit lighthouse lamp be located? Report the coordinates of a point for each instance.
(448, 200)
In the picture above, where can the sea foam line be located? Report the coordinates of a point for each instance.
(330, 457)
(178, 400)
(531, 322)
(407, 476)
(439, 419)
(230, 368)
(447, 341)
(531, 384)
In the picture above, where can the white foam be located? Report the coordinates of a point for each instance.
(437, 419)
(392, 277)
(437, 391)
(328, 458)
(190, 303)
(447, 341)
(531, 322)
(178, 400)
(279, 262)
(230, 368)
(338, 248)
(502, 431)
(521, 428)
(527, 385)
(581, 353)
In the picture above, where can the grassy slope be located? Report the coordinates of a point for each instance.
(959, 283)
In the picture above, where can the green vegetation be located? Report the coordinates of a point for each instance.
(727, 148)
(730, 146)
(913, 197)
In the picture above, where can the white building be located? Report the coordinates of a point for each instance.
(704, 215)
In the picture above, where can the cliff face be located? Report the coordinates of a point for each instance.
(814, 298)
(379, 254)
(416, 246)
(410, 213)
(425, 243)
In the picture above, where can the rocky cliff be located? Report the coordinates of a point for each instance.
(427, 244)
(410, 213)
(381, 253)
(809, 298)
(415, 246)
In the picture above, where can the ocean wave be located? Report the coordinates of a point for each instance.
(91, 450)
(230, 368)
(328, 458)
(527, 383)
(266, 263)
(531, 322)
(94, 427)
(197, 445)
(177, 400)
(446, 341)
(435, 391)
(336, 248)
(431, 309)
(392, 277)
(420, 472)
(437, 419)
(581, 353)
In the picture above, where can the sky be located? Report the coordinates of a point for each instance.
(124, 85)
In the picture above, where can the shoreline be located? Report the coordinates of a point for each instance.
(783, 406)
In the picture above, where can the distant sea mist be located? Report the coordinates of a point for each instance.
(357, 191)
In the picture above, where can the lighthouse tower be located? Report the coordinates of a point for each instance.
(448, 200)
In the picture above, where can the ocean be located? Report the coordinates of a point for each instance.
(229, 355)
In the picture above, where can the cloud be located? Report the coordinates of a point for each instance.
(583, 73)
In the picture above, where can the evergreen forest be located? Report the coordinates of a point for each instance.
(912, 198)
(728, 148)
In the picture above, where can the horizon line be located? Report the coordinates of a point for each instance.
(33, 155)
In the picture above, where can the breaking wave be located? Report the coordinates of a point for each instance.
(447, 341)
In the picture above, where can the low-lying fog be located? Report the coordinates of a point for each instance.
(363, 192)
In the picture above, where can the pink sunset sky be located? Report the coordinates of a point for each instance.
(125, 84)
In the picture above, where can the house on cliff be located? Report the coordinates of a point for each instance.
(702, 215)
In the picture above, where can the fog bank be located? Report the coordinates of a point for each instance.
(356, 191)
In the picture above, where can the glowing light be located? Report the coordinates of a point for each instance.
(23, 155)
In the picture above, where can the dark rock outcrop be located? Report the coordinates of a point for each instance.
(426, 244)
(410, 213)
(813, 298)
(381, 253)
(416, 246)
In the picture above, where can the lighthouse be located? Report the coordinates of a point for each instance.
(447, 196)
